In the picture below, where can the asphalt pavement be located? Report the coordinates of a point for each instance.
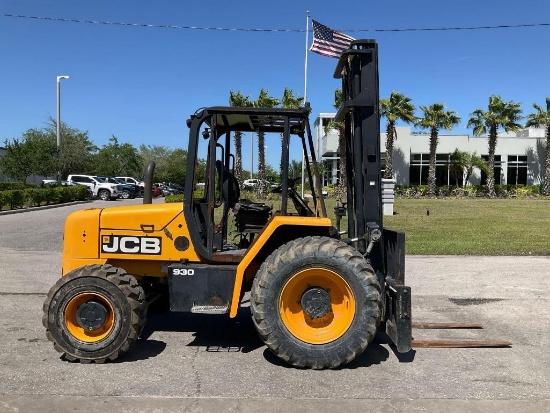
(189, 362)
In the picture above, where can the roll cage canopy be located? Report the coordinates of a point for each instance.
(229, 119)
(214, 125)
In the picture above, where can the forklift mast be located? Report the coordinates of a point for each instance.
(358, 69)
(383, 247)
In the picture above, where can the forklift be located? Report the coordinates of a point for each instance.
(317, 295)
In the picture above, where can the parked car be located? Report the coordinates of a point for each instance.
(48, 182)
(157, 190)
(253, 183)
(175, 188)
(102, 190)
(129, 191)
(250, 183)
(140, 185)
(53, 182)
(165, 189)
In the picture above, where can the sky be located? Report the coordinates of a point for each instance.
(142, 83)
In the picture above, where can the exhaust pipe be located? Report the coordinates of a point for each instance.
(148, 182)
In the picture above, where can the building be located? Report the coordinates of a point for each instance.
(519, 157)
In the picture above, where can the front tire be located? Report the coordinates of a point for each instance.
(125, 194)
(316, 303)
(104, 195)
(95, 313)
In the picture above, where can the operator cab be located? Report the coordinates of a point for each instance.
(224, 220)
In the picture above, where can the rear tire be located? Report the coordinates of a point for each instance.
(316, 303)
(95, 313)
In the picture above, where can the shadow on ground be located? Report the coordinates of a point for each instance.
(219, 333)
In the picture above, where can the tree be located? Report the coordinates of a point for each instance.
(170, 163)
(340, 129)
(499, 114)
(76, 148)
(239, 100)
(295, 169)
(463, 165)
(272, 176)
(289, 100)
(541, 118)
(116, 159)
(435, 118)
(397, 107)
(36, 152)
(16, 162)
(263, 101)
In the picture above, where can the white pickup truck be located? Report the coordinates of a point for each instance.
(102, 190)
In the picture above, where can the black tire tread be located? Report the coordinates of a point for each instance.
(130, 288)
(314, 247)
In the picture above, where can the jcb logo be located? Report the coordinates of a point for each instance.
(115, 244)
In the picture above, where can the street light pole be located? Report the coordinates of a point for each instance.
(58, 122)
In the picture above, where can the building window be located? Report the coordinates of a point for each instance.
(516, 170)
(420, 164)
(442, 169)
(497, 170)
(418, 173)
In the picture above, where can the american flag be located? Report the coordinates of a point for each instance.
(328, 42)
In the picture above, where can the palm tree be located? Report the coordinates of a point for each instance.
(263, 101)
(339, 126)
(397, 107)
(295, 169)
(542, 119)
(499, 114)
(435, 118)
(239, 100)
(291, 101)
(463, 165)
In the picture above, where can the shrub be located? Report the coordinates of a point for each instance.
(63, 194)
(534, 190)
(78, 192)
(50, 195)
(174, 198)
(12, 186)
(445, 190)
(15, 199)
(35, 196)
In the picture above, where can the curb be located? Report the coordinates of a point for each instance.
(30, 209)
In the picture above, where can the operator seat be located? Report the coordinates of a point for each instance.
(250, 216)
(230, 186)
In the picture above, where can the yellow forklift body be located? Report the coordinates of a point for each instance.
(276, 222)
(141, 238)
(137, 237)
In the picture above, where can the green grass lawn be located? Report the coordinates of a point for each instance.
(466, 226)
(473, 226)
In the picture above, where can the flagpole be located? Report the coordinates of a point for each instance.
(305, 95)
(305, 65)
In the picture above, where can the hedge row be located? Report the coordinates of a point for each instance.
(502, 191)
(19, 198)
(418, 191)
(12, 186)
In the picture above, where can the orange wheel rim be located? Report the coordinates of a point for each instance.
(74, 327)
(330, 326)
